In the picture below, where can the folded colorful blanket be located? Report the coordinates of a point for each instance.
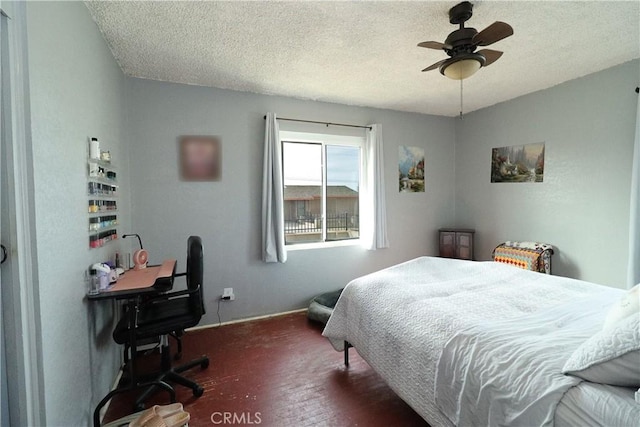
(527, 255)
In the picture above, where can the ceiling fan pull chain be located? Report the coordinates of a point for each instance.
(461, 99)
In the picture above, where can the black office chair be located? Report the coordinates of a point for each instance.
(171, 313)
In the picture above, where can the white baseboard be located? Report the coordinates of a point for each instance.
(248, 319)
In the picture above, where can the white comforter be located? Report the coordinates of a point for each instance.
(400, 318)
(510, 372)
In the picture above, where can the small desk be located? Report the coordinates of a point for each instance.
(132, 286)
(134, 283)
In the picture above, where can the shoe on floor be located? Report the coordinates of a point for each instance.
(178, 419)
(156, 411)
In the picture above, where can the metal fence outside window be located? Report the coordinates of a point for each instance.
(311, 223)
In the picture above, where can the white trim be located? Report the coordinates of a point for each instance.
(248, 319)
(26, 337)
(323, 245)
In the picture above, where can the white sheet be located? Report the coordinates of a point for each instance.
(510, 372)
(400, 318)
(590, 404)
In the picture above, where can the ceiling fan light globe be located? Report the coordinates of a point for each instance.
(460, 70)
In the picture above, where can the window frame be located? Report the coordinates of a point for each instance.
(325, 139)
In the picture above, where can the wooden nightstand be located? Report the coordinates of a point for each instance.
(456, 243)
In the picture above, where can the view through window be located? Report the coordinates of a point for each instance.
(321, 191)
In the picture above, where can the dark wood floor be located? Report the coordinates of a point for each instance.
(280, 372)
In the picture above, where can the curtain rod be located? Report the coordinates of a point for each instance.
(321, 123)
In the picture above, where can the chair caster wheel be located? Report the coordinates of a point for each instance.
(197, 392)
(205, 364)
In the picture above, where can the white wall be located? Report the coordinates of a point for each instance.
(227, 213)
(77, 91)
(582, 207)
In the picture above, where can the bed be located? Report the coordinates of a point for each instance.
(402, 320)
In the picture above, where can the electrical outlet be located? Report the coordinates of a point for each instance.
(227, 294)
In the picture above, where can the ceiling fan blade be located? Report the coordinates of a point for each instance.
(493, 33)
(434, 45)
(434, 66)
(491, 56)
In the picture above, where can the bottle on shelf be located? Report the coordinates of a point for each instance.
(94, 149)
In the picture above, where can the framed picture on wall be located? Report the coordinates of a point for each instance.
(200, 158)
(411, 169)
(518, 163)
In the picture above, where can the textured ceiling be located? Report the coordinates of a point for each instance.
(364, 53)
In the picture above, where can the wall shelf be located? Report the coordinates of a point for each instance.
(104, 180)
(102, 203)
(102, 213)
(98, 206)
(96, 228)
(102, 163)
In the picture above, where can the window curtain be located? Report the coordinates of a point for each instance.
(374, 210)
(634, 219)
(273, 247)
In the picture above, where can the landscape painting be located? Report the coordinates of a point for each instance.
(411, 169)
(518, 163)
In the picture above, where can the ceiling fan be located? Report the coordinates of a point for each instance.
(462, 43)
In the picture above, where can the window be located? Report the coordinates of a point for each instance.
(322, 175)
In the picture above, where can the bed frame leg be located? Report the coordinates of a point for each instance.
(346, 353)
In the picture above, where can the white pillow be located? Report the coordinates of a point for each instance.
(611, 356)
(629, 304)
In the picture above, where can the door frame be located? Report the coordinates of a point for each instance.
(21, 307)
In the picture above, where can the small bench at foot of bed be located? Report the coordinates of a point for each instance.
(532, 256)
